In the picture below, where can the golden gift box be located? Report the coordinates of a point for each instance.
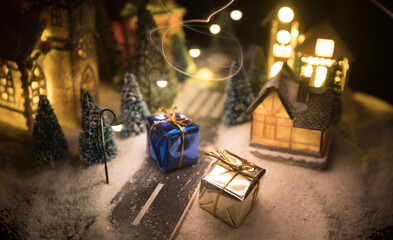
(230, 187)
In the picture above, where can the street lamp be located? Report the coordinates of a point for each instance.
(161, 81)
(116, 125)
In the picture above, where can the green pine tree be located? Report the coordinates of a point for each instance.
(49, 144)
(257, 70)
(238, 97)
(181, 59)
(133, 109)
(90, 139)
(146, 57)
(109, 56)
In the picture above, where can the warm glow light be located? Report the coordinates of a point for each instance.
(280, 50)
(304, 59)
(320, 76)
(34, 85)
(300, 39)
(329, 62)
(310, 60)
(283, 37)
(194, 52)
(285, 14)
(215, 29)
(295, 32)
(117, 128)
(4, 96)
(276, 67)
(317, 61)
(236, 15)
(162, 83)
(307, 71)
(323, 61)
(36, 99)
(205, 73)
(324, 47)
(36, 72)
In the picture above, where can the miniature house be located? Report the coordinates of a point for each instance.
(323, 57)
(284, 34)
(49, 50)
(289, 116)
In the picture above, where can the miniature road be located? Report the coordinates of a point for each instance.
(152, 203)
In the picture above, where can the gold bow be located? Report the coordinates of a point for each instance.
(245, 168)
(178, 122)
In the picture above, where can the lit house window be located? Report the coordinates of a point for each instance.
(37, 86)
(85, 46)
(6, 85)
(324, 47)
(56, 17)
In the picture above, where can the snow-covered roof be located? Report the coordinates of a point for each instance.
(310, 107)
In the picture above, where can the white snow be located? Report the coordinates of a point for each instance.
(70, 201)
(349, 199)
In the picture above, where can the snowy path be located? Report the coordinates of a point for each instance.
(152, 203)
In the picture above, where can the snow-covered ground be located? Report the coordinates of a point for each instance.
(69, 201)
(349, 199)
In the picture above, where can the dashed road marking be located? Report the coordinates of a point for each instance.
(144, 209)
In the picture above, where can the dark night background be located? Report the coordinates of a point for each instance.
(365, 28)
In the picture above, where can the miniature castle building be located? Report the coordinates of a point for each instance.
(323, 57)
(55, 55)
(290, 116)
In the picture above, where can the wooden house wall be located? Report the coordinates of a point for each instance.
(272, 126)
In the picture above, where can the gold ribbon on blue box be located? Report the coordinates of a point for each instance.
(172, 140)
(230, 187)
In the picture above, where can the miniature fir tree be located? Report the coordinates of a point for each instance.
(133, 109)
(49, 144)
(90, 139)
(238, 97)
(146, 57)
(181, 59)
(257, 70)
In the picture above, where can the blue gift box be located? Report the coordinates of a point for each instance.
(165, 141)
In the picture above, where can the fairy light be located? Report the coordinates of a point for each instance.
(285, 14)
(192, 24)
(194, 52)
(236, 15)
(215, 29)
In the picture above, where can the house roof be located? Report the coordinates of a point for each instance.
(324, 30)
(310, 107)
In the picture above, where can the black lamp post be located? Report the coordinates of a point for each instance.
(161, 81)
(116, 125)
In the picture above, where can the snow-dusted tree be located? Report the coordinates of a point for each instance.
(90, 139)
(257, 70)
(146, 57)
(49, 144)
(238, 97)
(133, 109)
